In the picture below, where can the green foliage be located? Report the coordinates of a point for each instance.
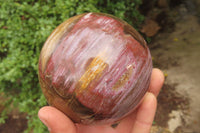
(24, 27)
(124, 9)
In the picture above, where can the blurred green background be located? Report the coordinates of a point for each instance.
(24, 27)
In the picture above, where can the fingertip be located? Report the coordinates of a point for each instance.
(157, 81)
(42, 114)
(160, 74)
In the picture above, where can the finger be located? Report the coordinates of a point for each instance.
(157, 80)
(56, 121)
(95, 129)
(145, 114)
(126, 125)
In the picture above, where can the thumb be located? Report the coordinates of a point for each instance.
(56, 121)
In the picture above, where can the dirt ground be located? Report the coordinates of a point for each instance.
(14, 124)
(177, 53)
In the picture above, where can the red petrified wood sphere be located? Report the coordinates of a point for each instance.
(95, 68)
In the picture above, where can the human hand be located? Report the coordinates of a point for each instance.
(140, 121)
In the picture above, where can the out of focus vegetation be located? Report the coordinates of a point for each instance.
(24, 27)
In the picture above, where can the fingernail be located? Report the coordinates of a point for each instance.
(43, 120)
(45, 123)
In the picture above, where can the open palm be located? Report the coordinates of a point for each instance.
(139, 121)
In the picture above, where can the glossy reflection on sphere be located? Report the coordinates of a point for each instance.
(95, 68)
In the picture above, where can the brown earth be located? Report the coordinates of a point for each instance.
(176, 52)
(14, 124)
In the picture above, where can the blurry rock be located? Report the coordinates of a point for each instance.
(150, 28)
(162, 3)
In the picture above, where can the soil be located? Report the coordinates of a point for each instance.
(14, 124)
(176, 53)
(169, 100)
(175, 50)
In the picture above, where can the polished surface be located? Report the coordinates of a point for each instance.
(95, 68)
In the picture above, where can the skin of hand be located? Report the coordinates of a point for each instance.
(140, 121)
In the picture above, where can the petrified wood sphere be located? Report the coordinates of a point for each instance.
(95, 68)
